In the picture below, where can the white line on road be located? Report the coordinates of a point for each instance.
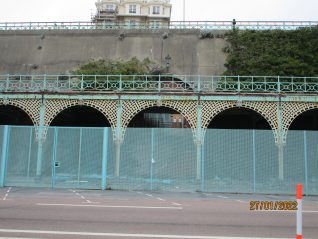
(108, 206)
(241, 201)
(222, 197)
(160, 199)
(124, 235)
(177, 204)
(149, 195)
(7, 194)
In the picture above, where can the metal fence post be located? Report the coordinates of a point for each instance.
(202, 168)
(54, 157)
(306, 162)
(79, 156)
(153, 131)
(254, 163)
(238, 84)
(4, 155)
(82, 83)
(104, 159)
(30, 151)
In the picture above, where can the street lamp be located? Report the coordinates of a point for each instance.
(184, 10)
(168, 61)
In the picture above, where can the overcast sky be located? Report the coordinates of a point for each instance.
(200, 10)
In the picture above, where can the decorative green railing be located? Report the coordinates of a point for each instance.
(157, 83)
(202, 25)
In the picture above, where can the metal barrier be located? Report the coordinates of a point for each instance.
(161, 159)
(173, 25)
(157, 83)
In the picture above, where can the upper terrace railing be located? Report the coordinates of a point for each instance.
(201, 25)
(156, 84)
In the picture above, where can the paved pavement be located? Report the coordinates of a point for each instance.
(45, 213)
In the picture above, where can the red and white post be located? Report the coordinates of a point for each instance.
(299, 197)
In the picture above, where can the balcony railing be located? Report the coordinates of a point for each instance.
(207, 25)
(157, 84)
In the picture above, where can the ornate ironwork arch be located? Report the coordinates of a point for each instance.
(291, 110)
(30, 107)
(268, 110)
(133, 107)
(107, 108)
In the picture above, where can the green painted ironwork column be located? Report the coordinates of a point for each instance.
(4, 155)
(118, 137)
(41, 138)
(280, 142)
(199, 142)
(104, 159)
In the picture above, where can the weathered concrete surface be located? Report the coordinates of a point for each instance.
(60, 51)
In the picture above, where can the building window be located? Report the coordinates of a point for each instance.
(155, 24)
(132, 9)
(156, 10)
(109, 7)
(132, 23)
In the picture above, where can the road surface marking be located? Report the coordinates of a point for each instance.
(241, 201)
(222, 197)
(160, 199)
(108, 206)
(149, 195)
(7, 194)
(124, 235)
(177, 204)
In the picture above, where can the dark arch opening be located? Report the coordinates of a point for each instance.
(12, 115)
(306, 121)
(159, 117)
(80, 116)
(239, 118)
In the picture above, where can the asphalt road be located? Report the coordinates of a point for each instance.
(45, 213)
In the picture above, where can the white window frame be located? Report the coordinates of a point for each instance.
(156, 10)
(109, 7)
(132, 23)
(132, 8)
(155, 24)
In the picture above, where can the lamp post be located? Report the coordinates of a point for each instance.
(184, 10)
(168, 60)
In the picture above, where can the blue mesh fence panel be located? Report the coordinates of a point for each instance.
(174, 164)
(228, 162)
(78, 159)
(162, 159)
(294, 164)
(1, 140)
(312, 162)
(23, 158)
(266, 161)
(154, 159)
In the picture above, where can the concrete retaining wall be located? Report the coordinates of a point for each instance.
(59, 51)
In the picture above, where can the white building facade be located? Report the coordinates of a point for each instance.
(132, 13)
